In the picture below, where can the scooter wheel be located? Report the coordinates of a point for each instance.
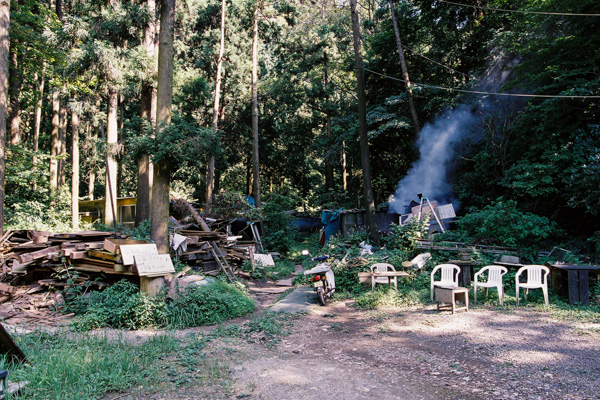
(322, 298)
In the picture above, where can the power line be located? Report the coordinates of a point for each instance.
(519, 11)
(435, 62)
(544, 96)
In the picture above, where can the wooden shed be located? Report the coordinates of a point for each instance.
(93, 210)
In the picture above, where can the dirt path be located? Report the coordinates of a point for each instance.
(340, 353)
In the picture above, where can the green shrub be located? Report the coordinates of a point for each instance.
(405, 237)
(506, 225)
(373, 299)
(207, 305)
(346, 279)
(280, 234)
(121, 305)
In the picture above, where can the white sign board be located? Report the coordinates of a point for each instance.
(266, 260)
(446, 211)
(154, 264)
(128, 251)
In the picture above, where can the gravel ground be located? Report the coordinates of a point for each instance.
(341, 353)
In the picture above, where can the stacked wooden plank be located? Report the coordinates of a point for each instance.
(200, 255)
(97, 252)
(88, 251)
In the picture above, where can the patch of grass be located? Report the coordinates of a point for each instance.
(123, 306)
(207, 305)
(84, 367)
(386, 297)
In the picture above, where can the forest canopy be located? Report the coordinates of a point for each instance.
(83, 74)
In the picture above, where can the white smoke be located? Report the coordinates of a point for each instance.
(436, 148)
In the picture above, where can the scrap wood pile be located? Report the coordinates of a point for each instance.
(46, 255)
(206, 245)
(30, 303)
(207, 251)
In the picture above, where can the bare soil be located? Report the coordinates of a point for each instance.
(343, 353)
(339, 352)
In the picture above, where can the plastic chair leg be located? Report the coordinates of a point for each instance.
(432, 293)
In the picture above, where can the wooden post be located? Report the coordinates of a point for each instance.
(151, 285)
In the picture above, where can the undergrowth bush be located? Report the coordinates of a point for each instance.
(405, 237)
(387, 297)
(122, 305)
(280, 234)
(208, 305)
(506, 225)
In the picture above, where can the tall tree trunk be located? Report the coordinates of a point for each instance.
(59, 9)
(248, 177)
(162, 170)
(92, 171)
(4, 43)
(329, 182)
(344, 168)
(75, 171)
(62, 162)
(255, 156)
(148, 114)
(39, 99)
(110, 196)
(409, 92)
(55, 145)
(362, 120)
(210, 176)
(16, 81)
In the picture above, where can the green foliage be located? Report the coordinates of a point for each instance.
(279, 231)
(123, 306)
(387, 297)
(233, 205)
(207, 305)
(82, 367)
(506, 225)
(179, 143)
(405, 237)
(346, 280)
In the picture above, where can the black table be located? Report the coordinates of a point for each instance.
(572, 281)
(466, 271)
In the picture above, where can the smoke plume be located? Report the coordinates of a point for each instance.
(438, 139)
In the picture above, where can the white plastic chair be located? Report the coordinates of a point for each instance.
(418, 262)
(383, 267)
(494, 279)
(535, 280)
(449, 276)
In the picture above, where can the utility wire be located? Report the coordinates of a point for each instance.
(545, 96)
(435, 62)
(519, 11)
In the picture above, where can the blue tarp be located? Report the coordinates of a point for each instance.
(307, 224)
(331, 220)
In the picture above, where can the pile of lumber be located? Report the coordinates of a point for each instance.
(202, 247)
(97, 252)
(28, 251)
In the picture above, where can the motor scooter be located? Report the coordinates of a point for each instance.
(323, 279)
